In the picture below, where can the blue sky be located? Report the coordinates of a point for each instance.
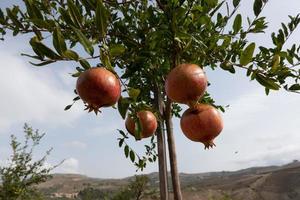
(264, 130)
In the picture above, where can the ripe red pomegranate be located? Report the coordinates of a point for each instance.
(186, 83)
(202, 123)
(98, 87)
(148, 124)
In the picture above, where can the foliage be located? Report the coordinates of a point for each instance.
(136, 190)
(92, 194)
(141, 41)
(22, 173)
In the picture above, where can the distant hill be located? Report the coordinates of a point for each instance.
(257, 183)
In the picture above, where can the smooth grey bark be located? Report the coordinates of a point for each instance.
(172, 152)
(161, 146)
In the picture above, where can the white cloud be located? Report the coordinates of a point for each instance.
(76, 144)
(264, 129)
(70, 166)
(278, 156)
(29, 94)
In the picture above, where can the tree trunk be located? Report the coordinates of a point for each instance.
(172, 152)
(161, 146)
(162, 163)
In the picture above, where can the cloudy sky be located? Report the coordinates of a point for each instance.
(264, 130)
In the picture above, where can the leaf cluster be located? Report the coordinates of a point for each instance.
(22, 173)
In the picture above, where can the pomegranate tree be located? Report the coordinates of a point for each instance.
(202, 123)
(142, 42)
(147, 122)
(98, 87)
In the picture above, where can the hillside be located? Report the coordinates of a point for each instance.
(258, 183)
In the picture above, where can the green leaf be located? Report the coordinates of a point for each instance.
(227, 66)
(134, 93)
(40, 23)
(74, 13)
(267, 82)
(43, 49)
(285, 29)
(32, 10)
(76, 98)
(71, 54)
(295, 87)
(267, 91)
(116, 50)
(237, 25)
(13, 17)
(236, 3)
(217, 8)
(122, 133)
(105, 59)
(1, 15)
(247, 54)
(59, 41)
(87, 45)
(121, 142)
(138, 129)
(77, 74)
(126, 151)
(42, 63)
(249, 70)
(257, 7)
(85, 64)
(275, 63)
(132, 156)
(102, 16)
(68, 107)
(123, 105)
(66, 17)
(88, 4)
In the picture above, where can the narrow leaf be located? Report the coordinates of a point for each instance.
(138, 129)
(42, 63)
(42, 49)
(13, 18)
(237, 25)
(236, 3)
(87, 45)
(267, 82)
(257, 7)
(101, 18)
(85, 64)
(122, 133)
(74, 13)
(58, 41)
(123, 105)
(121, 142)
(295, 87)
(76, 98)
(68, 107)
(132, 156)
(126, 151)
(247, 54)
(71, 54)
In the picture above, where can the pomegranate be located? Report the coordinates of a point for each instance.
(186, 83)
(98, 87)
(202, 123)
(148, 124)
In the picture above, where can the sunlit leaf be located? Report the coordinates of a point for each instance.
(247, 54)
